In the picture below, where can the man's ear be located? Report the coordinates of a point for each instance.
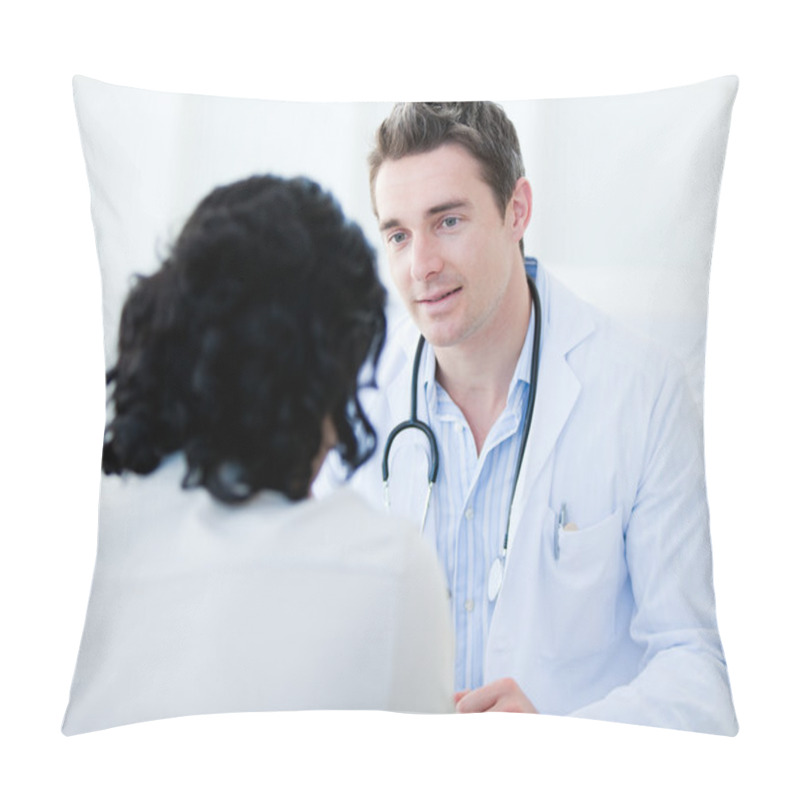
(520, 208)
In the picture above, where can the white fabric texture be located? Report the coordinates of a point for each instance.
(198, 608)
(620, 626)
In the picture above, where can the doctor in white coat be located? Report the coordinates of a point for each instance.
(606, 607)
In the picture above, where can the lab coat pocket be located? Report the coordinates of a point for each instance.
(584, 572)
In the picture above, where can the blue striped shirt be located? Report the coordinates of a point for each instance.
(471, 503)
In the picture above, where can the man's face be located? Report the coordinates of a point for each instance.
(451, 253)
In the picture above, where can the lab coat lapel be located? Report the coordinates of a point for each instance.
(563, 327)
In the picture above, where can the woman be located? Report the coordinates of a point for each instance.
(220, 585)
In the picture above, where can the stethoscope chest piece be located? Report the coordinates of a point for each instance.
(495, 579)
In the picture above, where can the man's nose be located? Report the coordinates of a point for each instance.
(426, 260)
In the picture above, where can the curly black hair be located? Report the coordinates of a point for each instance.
(252, 333)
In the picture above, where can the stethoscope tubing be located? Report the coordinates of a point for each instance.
(414, 423)
(534, 382)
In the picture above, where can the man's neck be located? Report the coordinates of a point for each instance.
(477, 375)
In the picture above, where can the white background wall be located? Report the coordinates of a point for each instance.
(53, 398)
(624, 188)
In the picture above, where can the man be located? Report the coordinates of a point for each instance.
(584, 586)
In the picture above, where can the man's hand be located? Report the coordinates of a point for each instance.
(500, 695)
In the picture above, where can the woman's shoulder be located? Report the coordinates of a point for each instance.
(345, 523)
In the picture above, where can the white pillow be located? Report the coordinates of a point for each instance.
(625, 189)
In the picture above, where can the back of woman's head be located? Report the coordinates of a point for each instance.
(252, 333)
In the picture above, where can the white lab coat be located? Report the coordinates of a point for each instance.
(622, 626)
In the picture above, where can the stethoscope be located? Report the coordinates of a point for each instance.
(497, 569)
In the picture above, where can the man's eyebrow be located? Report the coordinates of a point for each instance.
(390, 223)
(450, 205)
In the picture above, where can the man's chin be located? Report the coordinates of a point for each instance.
(438, 337)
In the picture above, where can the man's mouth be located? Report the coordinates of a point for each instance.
(438, 297)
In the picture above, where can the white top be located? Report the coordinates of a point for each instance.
(197, 607)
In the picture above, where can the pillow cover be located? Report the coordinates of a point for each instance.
(625, 193)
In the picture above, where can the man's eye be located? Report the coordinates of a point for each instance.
(449, 222)
(397, 238)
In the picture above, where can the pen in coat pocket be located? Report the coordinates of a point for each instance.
(562, 518)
